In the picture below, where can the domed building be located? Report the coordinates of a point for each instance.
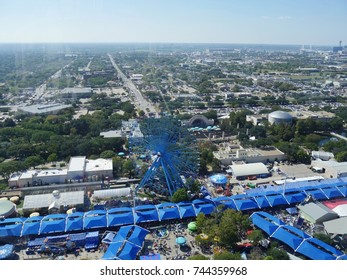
(278, 117)
(7, 208)
(219, 180)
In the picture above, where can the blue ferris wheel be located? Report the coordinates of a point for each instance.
(172, 151)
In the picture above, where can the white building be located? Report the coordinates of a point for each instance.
(333, 169)
(242, 171)
(79, 169)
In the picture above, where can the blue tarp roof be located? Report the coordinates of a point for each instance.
(223, 200)
(205, 206)
(6, 251)
(32, 226)
(74, 221)
(122, 234)
(138, 235)
(112, 251)
(261, 201)
(128, 252)
(324, 246)
(53, 223)
(95, 219)
(331, 192)
(245, 204)
(287, 237)
(263, 224)
(168, 211)
(317, 194)
(120, 216)
(314, 253)
(186, 209)
(11, 227)
(342, 189)
(146, 213)
(296, 197)
(276, 199)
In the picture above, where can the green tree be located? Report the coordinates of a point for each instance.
(255, 236)
(129, 167)
(232, 226)
(33, 161)
(341, 156)
(227, 256)
(52, 157)
(198, 257)
(278, 254)
(107, 154)
(324, 237)
(180, 195)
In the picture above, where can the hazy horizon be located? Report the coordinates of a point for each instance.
(270, 22)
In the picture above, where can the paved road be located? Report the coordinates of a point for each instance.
(140, 102)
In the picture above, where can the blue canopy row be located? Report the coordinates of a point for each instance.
(296, 239)
(94, 219)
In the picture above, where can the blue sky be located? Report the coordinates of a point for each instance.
(316, 22)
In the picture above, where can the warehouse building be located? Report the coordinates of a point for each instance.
(79, 169)
(249, 171)
(55, 202)
(316, 212)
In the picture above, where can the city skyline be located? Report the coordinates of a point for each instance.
(231, 22)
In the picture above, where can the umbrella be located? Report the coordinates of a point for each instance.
(192, 226)
(180, 240)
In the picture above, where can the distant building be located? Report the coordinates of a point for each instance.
(129, 129)
(76, 93)
(244, 171)
(54, 202)
(79, 169)
(316, 212)
(278, 117)
(333, 169)
(321, 155)
(7, 208)
(43, 109)
(236, 153)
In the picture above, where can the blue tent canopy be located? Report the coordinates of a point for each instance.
(120, 216)
(31, 226)
(287, 237)
(219, 179)
(95, 219)
(245, 204)
(186, 209)
(224, 200)
(122, 234)
(317, 193)
(276, 199)
(168, 211)
(128, 252)
(261, 201)
(331, 192)
(145, 213)
(324, 246)
(343, 257)
(342, 189)
(6, 251)
(74, 221)
(11, 227)
(295, 197)
(309, 250)
(271, 218)
(263, 224)
(112, 251)
(205, 206)
(138, 235)
(53, 223)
